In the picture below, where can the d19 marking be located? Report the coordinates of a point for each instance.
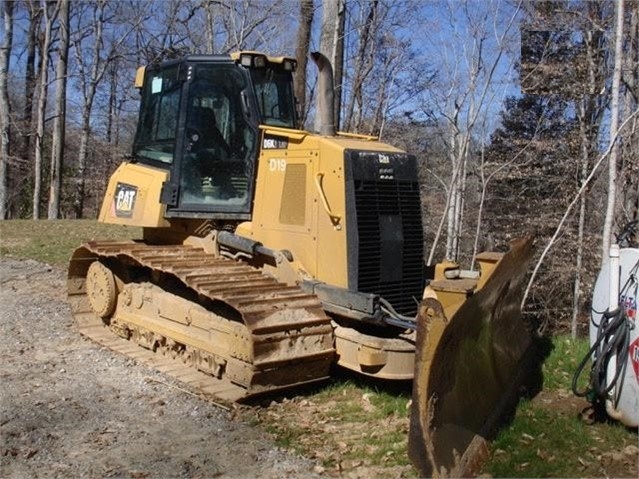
(277, 165)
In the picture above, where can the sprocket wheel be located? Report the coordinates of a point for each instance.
(101, 289)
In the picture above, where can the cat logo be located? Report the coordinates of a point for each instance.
(124, 200)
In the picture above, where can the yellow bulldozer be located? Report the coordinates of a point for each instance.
(271, 254)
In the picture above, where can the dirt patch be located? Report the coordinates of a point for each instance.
(70, 408)
(562, 401)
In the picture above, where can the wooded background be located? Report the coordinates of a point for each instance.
(523, 114)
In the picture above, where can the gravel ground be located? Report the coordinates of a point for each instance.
(70, 408)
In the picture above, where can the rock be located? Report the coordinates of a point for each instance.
(631, 451)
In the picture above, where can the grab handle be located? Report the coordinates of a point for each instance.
(335, 219)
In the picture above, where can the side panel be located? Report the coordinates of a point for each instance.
(332, 231)
(284, 211)
(133, 197)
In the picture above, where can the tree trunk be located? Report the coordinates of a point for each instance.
(210, 27)
(90, 85)
(614, 121)
(57, 147)
(113, 78)
(301, 53)
(631, 101)
(589, 118)
(451, 193)
(78, 200)
(5, 107)
(338, 61)
(49, 18)
(585, 163)
(35, 14)
(332, 45)
(460, 204)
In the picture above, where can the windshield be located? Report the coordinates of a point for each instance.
(219, 143)
(159, 110)
(275, 97)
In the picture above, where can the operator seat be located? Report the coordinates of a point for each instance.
(203, 122)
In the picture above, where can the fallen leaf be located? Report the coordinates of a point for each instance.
(30, 453)
(138, 474)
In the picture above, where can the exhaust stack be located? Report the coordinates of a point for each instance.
(326, 95)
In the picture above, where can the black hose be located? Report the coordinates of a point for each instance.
(613, 340)
(394, 318)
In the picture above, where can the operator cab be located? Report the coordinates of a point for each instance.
(200, 118)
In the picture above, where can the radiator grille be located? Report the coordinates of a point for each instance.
(390, 241)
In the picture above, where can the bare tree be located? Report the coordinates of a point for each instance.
(50, 15)
(301, 52)
(250, 23)
(629, 170)
(382, 72)
(591, 108)
(34, 12)
(209, 26)
(5, 109)
(614, 122)
(92, 64)
(60, 115)
(332, 45)
(467, 90)
(364, 62)
(586, 182)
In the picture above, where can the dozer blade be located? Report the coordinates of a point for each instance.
(469, 369)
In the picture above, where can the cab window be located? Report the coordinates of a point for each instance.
(219, 143)
(159, 110)
(275, 97)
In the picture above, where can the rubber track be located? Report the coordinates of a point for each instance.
(255, 296)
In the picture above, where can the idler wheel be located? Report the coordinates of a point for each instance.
(101, 289)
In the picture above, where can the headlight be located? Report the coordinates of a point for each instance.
(252, 60)
(289, 65)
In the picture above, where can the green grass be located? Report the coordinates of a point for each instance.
(543, 442)
(559, 367)
(53, 241)
(549, 437)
